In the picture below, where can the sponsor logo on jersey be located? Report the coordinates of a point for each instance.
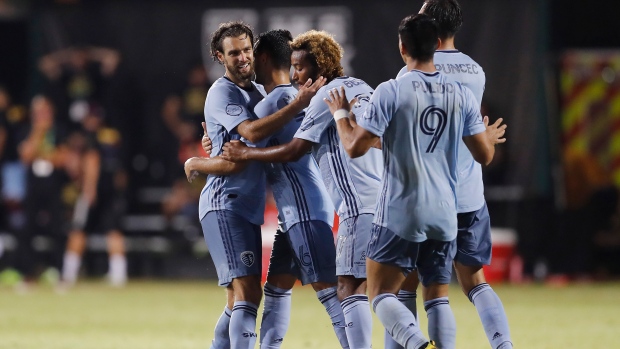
(234, 109)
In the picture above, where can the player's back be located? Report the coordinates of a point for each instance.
(352, 183)
(297, 186)
(425, 118)
(226, 106)
(462, 68)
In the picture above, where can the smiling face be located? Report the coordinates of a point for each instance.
(238, 58)
(303, 67)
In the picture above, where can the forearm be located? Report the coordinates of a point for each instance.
(28, 149)
(279, 154)
(257, 130)
(215, 166)
(351, 142)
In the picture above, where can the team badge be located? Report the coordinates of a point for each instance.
(234, 109)
(370, 112)
(247, 258)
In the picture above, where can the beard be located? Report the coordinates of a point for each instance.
(235, 72)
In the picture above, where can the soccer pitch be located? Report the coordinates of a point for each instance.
(153, 315)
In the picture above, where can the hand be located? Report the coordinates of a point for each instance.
(206, 141)
(234, 151)
(496, 131)
(338, 100)
(190, 173)
(309, 90)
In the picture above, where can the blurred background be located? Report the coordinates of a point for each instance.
(101, 104)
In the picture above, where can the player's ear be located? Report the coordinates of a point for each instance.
(402, 48)
(438, 42)
(220, 57)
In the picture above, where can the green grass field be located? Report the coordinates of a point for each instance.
(179, 315)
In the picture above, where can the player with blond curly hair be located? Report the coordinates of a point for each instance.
(352, 184)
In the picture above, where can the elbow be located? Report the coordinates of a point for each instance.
(252, 137)
(354, 149)
(353, 153)
(486, 158)
(293, 156)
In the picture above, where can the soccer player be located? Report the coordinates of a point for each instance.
(474, 226)
(232, 206)
(304, 247)
(420, 118)
(352, 183)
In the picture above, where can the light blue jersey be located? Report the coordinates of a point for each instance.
(421, 118)
(226, 106)
(462, 68)
(297, 186)
(351, 183)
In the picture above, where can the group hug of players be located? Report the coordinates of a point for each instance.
(399, 164)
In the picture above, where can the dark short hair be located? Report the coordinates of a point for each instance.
(448, 15)
(227, 30)
(277, 44)
(419, 33)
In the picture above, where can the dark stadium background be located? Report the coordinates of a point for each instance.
(518, 43)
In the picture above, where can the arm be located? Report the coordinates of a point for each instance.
(482, 145)
(257, 130)
(289, 152)
(355, 139)
(29, 148)
(215, 166)
(108, 58)
(92, 164)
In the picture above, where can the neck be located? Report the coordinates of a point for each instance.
(277, 77)
(447, 44)
(427, 67)
(243, 83)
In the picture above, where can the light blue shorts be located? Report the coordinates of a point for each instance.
(234, 245)
(351, 246)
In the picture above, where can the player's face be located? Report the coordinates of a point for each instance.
(238, 57)
(303, 69)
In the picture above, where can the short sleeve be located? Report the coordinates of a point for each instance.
(317, 119)
(227, 106)
(380, 109)
(472, 119)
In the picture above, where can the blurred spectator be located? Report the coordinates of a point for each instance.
(43, 155)
(95, 194)
(78, 76)
(13, 130)
(182, 114)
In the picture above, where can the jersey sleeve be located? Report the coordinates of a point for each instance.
(380, 109)
(472, 118)
(226, 105)
(316, 121)
(265, 108)
(402, 72)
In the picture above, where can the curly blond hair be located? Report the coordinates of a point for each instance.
(323, 50)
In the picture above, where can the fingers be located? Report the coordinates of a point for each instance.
(308, 83)
(204, 127)
(498, 122)
(320, 82)
(486, 121)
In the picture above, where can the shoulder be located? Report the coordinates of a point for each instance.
(222, 86)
